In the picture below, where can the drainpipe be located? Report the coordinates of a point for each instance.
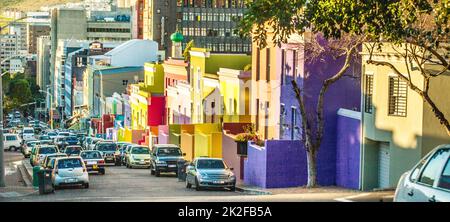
(361, 144)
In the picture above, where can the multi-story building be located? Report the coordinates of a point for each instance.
(399, 128)
(111, 26)
(43, 62)
(38, 24)
(113, 71)
(19, 29)
(11, 55)
(209, 23)
(75, 66)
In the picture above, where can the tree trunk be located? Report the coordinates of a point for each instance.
(312, 168)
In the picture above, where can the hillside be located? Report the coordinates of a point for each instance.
(31, 5)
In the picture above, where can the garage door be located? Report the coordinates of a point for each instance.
(383, 165)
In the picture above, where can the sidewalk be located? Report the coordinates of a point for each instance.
(26, 172)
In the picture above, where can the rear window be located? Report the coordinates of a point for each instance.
(169, 151)
(47, 150)
(44, 137)
(69, 163)
(71, 138)
(140, 150)
(91, 155)
(28, 131)
(107, 147)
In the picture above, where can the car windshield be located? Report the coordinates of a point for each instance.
(106, 147)
(210, 164)
(169, 152)
(63, 134)
(51, 134)
(140, 150)
(28, 131)
(47, 150)
(69, 163)
(91, 155)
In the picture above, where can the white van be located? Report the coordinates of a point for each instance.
(28, 132)
(11, 142)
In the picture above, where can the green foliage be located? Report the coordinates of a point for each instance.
(188, 48)
(19, 90)
(249, 134)
(248, 67)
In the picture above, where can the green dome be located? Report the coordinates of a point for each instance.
(176, 37)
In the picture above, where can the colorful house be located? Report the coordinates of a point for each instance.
(275, 109)
(204, 78)
(399, 128)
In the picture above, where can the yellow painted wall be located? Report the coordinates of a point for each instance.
(187, 145)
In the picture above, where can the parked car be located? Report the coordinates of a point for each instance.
(27, 132)
(11, 142)
(71, 140)
(107, 149)
(429, 180)
(51, 134)
(59, 142)
(70, 171)
(120, 152)
(28, 146)
(126, 153)
(41, 152)
(74, 150)
(49, 161)
(164, 158)
(92, 142)
(139, 156)
(94, 161)
(45, 139)
(205, 172)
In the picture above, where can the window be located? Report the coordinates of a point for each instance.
(125, 82)
(268, 64)
(444, 181)
(294, 65)
(368, 106)
(398, 91)
(257, 63)
(431, 171)
(283, 65)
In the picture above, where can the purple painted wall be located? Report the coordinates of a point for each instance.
(345, 93)
(348, 152)
(281, 163)
(163, 134)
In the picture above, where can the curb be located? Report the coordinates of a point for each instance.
(25, 177)
(253, 191)
(27, 174)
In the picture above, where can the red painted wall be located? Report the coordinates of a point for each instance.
(156, 110)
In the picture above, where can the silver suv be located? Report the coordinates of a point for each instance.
(208, 172)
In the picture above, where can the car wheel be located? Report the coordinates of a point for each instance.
(16, 149)
(188, 185)
(11, 148)
(157, 173)
(233, 188)
(152, 172)
(197, 186)
(86, 185)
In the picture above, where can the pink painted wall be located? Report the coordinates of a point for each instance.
(156, 110)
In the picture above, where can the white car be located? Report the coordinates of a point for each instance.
(11, 142)
(70, 171)
(42, 151)
(92, 142)
(139, 156)
(429, 180)
(27, 133)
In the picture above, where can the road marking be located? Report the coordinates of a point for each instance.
(346, 199)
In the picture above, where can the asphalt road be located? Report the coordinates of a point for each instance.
(122, 184)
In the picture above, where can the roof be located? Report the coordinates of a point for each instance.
(165, 145)
(114, 70)
(119, 49)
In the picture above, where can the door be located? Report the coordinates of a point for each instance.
(383, 165)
